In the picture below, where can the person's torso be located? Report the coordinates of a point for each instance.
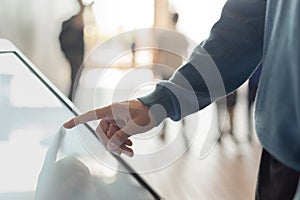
(278, 101)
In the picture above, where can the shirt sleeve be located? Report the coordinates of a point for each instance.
(218, 66)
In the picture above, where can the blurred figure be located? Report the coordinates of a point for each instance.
(230, 105)
(133, 49)
(252, 90)
(72, 44)
(168, 61)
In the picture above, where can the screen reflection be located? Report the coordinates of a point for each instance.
(40, 162)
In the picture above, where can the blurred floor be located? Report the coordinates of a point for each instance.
(229, 172)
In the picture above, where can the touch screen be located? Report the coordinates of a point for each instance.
(31, 115)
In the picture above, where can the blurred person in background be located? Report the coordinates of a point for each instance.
(252, 90)
(133, 51)
(230, 105)
(167, 62)
(72, 44)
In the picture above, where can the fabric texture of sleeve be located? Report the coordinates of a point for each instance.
(218, 66)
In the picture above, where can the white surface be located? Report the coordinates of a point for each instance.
(30, 116)
(6, 45)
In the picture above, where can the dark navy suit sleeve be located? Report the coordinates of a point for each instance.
(219, 65)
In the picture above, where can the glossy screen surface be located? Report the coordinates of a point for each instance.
(38, 161)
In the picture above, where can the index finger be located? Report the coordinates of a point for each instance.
(100, 113)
